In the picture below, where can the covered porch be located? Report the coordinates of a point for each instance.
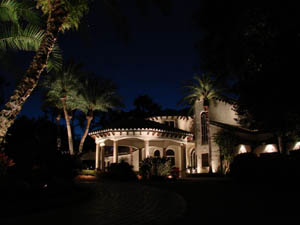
(141, 143)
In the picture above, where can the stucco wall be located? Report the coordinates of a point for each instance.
(183, 123)
(269, 148)
(222, 112)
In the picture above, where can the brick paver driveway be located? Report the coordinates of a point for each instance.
(114, 204)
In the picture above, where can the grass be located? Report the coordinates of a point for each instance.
(88, 172)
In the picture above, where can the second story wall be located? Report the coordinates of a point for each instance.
(180, 122)
(222, 112)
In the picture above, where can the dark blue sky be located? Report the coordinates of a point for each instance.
(159, 57)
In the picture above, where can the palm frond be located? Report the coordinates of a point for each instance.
(97, 94)
(76, 10)
(13, 11)
(55, 59)
(28, 12)
(15, 38)
(205, 87)
(9, 11)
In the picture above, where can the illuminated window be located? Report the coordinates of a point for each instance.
(204, 129)
(193, 159)
(157, 154)
(170, 154)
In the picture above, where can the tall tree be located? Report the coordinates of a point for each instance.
(61, 92)
(145, 106)
(95, 94)
(203, 91)
(62, 15)
(258, 44)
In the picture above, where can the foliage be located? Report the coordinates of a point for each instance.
(76, 10)
(63, 84)
(21, 30)
(145, 106)
(205, 88)
(267, 168)
(119, 171)
(96, 94)
(245, 166)
(35, 154)
(14, 11)
(155, 167)
(227, 142)
(5, 162)
(252, 48)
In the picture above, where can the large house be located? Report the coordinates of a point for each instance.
(183, 139)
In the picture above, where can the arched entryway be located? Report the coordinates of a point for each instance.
(170, 154)
(193, 160)
(157, 154)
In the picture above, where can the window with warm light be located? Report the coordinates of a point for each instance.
(193, 159)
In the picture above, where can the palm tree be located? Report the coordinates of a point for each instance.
(62, 15)
(20, 29)
(95, 94)
(204, 90)
(61, 92)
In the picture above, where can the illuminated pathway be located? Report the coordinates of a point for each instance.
(114, 203)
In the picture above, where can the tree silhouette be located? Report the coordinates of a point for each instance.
(256, 45)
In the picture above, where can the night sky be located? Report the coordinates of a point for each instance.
(158, 59)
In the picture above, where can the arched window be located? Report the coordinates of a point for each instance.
(157, 154)
(193, 159)
(170, 154)
(204, 129)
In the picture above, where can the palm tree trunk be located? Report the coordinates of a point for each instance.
(12, 108)
(209, 139)
(88, 123)
(69, 130)
(58, 134)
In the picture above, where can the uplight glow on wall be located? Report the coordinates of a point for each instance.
(242, 149)
(297, 145)
(270, 148)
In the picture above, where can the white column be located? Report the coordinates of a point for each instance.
(102, 157)
(140, 155)
(97, 156)
(147, 152)
(131, 155)
(115, 152)
(183, 159)
(164, 152)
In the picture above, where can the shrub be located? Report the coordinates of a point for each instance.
(245, 166)
(5, 163)
(119, 171)
(155, 167)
